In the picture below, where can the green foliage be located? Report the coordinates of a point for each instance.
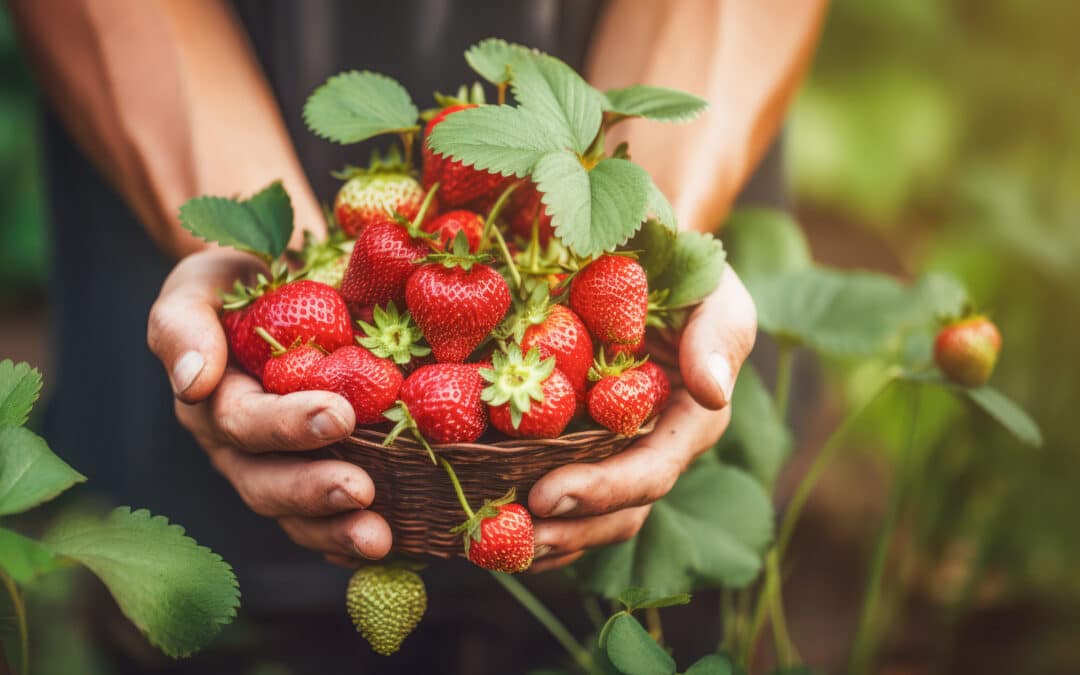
(654, 103)
(493, 59)
(711, 529)
(765, 241)
(24, 559)
(694, 270)
(177, 592)
(547, 86)
(643, 598)
(757, 438)
(261, 225)
(500, 139)
(20, 386)
(30, 473)
(1007, 414)
(715, 664)
(633, 651)
(354, 106)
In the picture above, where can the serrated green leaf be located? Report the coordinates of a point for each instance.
(493, 59)
(552, 90)
(654, 244)
(643, 598)
(714, 664)
(757, 436)
(592, 211)
(177, 592)
(939, 296)
(845, 314)
(23, 559)
(501, 139)
(356, 105)
(763, 241)
(20, 386)
(654, 103)
(693, 271)
(30, 473)
(260, 225)
(660, 208)
(633, 651)
(711, 529)
(1009, 415)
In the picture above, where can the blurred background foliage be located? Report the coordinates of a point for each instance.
(932, 135)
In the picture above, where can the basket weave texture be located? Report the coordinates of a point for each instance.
(417, 500)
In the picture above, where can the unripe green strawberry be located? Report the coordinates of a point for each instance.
(385, 604)
(371, 198)
(966, 351)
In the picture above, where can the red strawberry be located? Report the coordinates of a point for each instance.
(660, 382)
(611, 295)
(390, 335)
(447, 225)
(382, 260)
(527, 397)
(304, 311)
(443, 402)
(635, 350)
(525, 207)
(456, 301)
(286, 371)
(966, 351)
(371, 196)
(624, 397)
(460, 184)
(562, 335)
(504, 541)
(369, 383)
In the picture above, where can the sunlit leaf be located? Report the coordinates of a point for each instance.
(762, 241)
(30, 473)
(500, 139)
(20, 386)
(757, 436)
(23, 559)
(262, 224)
(694, 270)
(655, 103)
(354, 106)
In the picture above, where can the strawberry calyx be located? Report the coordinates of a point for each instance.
(490, 509)
(390, 163)
(458, 254)
(415, 226)
(619, 365)
(404, 421)
(465, 95)
(241, 296)
(516, 379)
(392, 335)
(530, 312)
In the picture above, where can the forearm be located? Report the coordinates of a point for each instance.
(746, 57)
(168, 100)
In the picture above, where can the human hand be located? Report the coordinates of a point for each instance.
(321, 503)
(582, 506)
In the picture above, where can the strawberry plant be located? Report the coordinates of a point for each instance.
(178, 593)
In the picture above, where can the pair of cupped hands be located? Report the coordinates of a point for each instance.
(258, 441)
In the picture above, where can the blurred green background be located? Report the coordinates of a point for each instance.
(931, 135)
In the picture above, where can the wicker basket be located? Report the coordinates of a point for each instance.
(415, 495)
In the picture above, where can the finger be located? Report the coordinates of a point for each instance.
(718, 337)
(548, 564)
(641, 474)
(184, 330)
(246, 417)
(559, 537)
(345, 561)
(280, 487)
(362, 533)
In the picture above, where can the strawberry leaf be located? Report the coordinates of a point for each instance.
(354, 106)
(592, 211)
(493, 59)
(20, 386)
(24, 559)
(715, 664)
(548, 87)
(654, 103)
(694, 270)
(757, 438)
(660, 208)
(177, 592)
(261, 225)
(763, 241)
(1007, 413)
(654, 245)
(29, 471)
(633, 651)
(501, 139)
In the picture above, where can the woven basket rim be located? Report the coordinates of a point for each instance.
(576, 439)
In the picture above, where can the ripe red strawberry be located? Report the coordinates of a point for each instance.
(527, 397)
(525, 207)
(624, 396)
(286, 371)
(369, 383)
(966, 351)
(446, 226)
(611, 295)
(660, 382)
(562, 335)
(382, 260)
(635, 350)
(372, 195)
(443, 401)
(505, 540)
(456, 301)
(459, 184)
(304, 311)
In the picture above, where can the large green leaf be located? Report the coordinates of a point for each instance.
(712, 529)
(19, 388)
(29, 471)
(500, 139)
(654, 245)
(592, 211)
(1009, 415)
(177, 592)
(23, 559)
(660, 208)
(643, 598)
(494, 59)
(847, 314)
(693, 271)
(715, 664)
(633, 651)
(354, 106)
(654, 103)
(548, 87)
(762, 241)
(757, 436)
(262, 224)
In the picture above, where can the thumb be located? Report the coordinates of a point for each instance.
(184, 330)
(717, 339)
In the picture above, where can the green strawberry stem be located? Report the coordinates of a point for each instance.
(18, 604)
(501, 87)
(457, 488)
(403, 419)
(275, 346)
(415, 228)
(491, 230)
(547, 619)
(407, 139)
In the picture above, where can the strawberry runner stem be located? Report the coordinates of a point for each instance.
(457, 488)
(490, 230)
(546, 618)
(275, 346)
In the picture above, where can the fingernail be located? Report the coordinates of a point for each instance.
(328, 424)
(564, 505)
(340, 499)
(541, 550)
(185, 371)
(720, 369)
